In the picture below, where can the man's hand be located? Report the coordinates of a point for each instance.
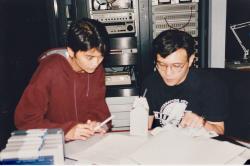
(94, 124)
(80, 132)
(191, 119)
(83, 131)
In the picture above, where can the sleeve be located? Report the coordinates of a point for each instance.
(99, 103)
(150, 102)
(32, 108)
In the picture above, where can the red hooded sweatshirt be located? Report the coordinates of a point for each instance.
(59, 97)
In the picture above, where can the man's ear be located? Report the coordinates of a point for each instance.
(191, 60)
(70, 52)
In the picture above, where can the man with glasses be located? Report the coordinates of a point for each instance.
(178, 95)
(68, 90)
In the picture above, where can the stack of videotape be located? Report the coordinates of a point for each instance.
(120, 107)
(34, 147)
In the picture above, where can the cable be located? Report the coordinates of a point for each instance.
(184, 24)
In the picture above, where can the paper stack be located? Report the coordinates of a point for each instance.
(35, 146)
(120, 107)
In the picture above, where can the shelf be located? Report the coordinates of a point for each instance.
(238, 65)
(122, 90)
(120, 59)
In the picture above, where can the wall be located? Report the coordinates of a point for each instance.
(23, 36)
(217, 33)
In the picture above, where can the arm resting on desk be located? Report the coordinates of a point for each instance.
(218, 127)
(150, 121)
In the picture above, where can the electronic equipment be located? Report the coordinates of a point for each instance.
(185, 1)
(120, 27)
(192, 32)
(117, 78)
(169, 8)
(164, 1)
(159, 2)
(111, 4)
(113, 15)
(191, 27)
(181, 16)
(177, 16)
(118, 57)
(123, 51)
(116, 21)
(120, 18)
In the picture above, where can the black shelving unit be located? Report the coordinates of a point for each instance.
(121, 20)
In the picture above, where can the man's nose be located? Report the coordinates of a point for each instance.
(95, 62)
(169, 70)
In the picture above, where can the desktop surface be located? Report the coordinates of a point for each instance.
(138, 150)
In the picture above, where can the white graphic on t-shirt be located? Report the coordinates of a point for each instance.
(171, 112)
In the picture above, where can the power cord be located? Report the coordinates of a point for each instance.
(191, 8)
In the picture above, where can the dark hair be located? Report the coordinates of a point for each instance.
(170, 41)
(86, 34)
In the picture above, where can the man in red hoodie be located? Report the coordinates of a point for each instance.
(68, 90)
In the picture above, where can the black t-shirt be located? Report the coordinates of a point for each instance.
(201, 92)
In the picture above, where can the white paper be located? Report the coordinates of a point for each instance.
(139, 117)
(175, 148)
(77, 146)
(167, 147)
(187, 131)
(112, 149)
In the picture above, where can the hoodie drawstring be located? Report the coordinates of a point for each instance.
(75, 100)
(87, 93)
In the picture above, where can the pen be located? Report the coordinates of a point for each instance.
(68, 158)
(104, 122)
(144, 93)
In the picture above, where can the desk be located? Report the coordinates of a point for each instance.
(238, 66)
(75, 147)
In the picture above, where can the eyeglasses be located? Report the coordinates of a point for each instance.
(175, 67)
